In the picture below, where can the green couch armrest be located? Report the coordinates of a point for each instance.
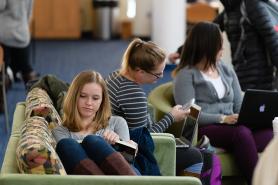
(165, 153)
(9, 162)
(18, 118)
(23, 179)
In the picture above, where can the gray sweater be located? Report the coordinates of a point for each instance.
(116, 124)
(189, 83)
(14, 20)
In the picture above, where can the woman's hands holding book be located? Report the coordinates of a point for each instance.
(110, 136)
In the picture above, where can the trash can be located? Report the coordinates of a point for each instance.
(104, 18)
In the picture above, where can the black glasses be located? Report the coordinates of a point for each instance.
(157, 76)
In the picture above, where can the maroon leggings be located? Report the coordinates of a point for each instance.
(241, 141)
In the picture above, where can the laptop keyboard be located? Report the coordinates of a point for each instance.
(181, 144)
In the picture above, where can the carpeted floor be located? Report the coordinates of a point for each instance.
(65, 59)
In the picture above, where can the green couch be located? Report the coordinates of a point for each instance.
(161, 98)
(164, 152)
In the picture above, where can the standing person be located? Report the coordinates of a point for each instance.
(83, 141)
(203, 76)
(253, 42)
(15, 36)
(144, 63)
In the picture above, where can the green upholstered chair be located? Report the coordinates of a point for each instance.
(162, 100)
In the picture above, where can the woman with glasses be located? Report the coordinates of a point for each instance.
(144, 63)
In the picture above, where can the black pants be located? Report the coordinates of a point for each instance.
(186, 157)
(18, 59)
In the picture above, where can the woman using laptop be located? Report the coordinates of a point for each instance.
(203, 76)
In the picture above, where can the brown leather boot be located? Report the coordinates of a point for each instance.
(87, 167)
(115, 164)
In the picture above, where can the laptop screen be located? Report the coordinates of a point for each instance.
(191, 122)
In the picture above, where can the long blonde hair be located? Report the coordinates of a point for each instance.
(71, 116)
(143, 55)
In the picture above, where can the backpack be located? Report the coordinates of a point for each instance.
(211, 172)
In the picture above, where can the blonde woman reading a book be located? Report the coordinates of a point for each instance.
(85, 140)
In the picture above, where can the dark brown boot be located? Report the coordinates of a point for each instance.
(115, 164)
(87, 167)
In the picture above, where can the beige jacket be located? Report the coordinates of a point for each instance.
(266, 172)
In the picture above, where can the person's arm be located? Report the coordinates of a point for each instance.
(161, 125)
(60, 132)
(120, 127)
(136, 113)
(129, 101)
(183, 87)
(174, 56)
(237, 93)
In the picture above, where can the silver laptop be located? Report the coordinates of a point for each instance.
(189, 129)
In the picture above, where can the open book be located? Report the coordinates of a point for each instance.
(127, 149)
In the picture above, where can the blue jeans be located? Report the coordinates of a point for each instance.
(71, 152)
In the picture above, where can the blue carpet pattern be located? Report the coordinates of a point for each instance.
(65, 59)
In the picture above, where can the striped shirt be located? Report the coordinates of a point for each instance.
(129, 101)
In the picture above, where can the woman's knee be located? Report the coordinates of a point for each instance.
(191, 155)
(70, 152)
(195, 154)
(242, 132)
(96, 147)
(67, 144)
(93, 140)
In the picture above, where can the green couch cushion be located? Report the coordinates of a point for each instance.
(167, 159)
